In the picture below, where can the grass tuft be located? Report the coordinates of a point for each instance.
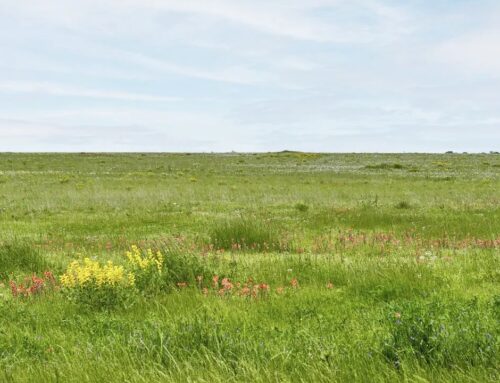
(302, 207)
(403, 205)
(182, 265)
(20, 257)
(246, 234)
(437, 333)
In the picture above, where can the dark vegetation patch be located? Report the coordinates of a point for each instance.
(403, 205)
(302, 207)
(19, 256)
(385, 166)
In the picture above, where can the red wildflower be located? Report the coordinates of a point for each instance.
(50, 277)
(264, 286)
(255, 291)
(226, 283)
(13, 288)
(215, 280)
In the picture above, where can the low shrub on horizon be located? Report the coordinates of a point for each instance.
(385, 166)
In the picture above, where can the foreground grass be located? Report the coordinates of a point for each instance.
(395, 259)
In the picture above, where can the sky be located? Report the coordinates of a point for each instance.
(250, 75)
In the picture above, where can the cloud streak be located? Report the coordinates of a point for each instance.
(54, 89)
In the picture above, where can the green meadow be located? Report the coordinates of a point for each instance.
(278, 267)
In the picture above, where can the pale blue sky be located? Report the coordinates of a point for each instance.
(256, 75)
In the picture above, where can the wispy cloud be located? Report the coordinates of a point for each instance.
(295, 19)
(232, 74)
(54, 89)
(476, 52)
(249, 74)
(277, 18)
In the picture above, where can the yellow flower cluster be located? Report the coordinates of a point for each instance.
(92, 273)
(138, 260)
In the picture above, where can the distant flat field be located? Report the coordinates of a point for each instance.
(84, 198)
(372, 267)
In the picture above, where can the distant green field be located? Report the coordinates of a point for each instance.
(359, 267)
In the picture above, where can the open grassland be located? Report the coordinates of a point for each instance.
(263, 267)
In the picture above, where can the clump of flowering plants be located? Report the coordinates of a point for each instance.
(107, 284)
(33, 285)
(99, 285)
(250, 289)
(147, 267)
(92, 273)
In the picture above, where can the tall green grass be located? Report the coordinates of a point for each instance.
(247, 233)
(19, 255)
(437, 333)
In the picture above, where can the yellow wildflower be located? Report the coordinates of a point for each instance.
(141, 261)
(90, 272)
